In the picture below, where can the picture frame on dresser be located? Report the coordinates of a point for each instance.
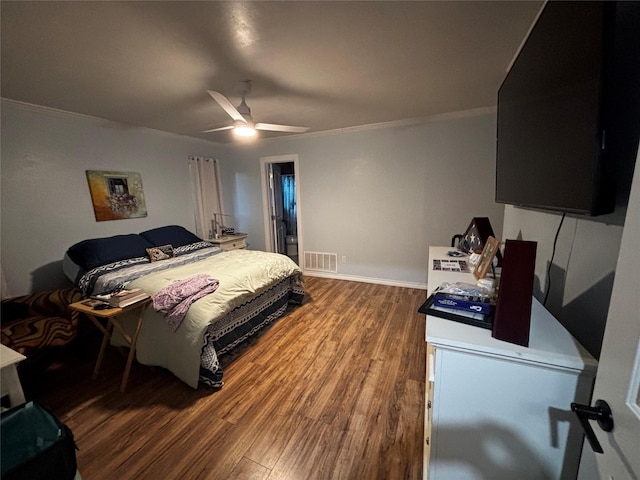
(490, 250)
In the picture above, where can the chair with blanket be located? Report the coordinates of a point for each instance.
(36, 324)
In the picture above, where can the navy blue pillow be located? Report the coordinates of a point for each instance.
(95, 252)
(173, 235)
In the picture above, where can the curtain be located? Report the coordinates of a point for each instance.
(207, 194)
(290, 208)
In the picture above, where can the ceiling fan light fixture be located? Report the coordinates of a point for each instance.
(243, 125)
(244, 130)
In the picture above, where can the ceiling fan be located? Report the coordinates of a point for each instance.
(243, 121)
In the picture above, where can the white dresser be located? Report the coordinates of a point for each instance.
(496, 410)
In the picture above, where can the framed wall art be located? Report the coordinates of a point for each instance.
(116, 195)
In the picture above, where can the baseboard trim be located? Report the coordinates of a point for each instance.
(378, 281)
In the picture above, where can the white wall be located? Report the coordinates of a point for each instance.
(583, 268)
(381, 196)
(46, 206)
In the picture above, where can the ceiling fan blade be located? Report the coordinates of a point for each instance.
(280, 128)
(217, 129)
(226, 105)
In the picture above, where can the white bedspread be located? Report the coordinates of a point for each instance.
(242, 274)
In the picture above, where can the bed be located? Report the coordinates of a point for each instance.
(253, 289)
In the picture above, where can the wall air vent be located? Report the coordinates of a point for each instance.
(321, 262)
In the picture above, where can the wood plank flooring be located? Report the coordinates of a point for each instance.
(334, 390)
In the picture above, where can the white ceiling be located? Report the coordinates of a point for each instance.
(325, 65)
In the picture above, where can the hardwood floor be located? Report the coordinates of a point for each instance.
(334, 390)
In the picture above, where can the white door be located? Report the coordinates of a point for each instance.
(273, 203)
(279, 226)
(618, 379)
(276, 209)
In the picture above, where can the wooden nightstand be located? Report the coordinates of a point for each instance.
(230, 242)
(111, 314)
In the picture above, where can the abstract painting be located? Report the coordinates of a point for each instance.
(116, 195)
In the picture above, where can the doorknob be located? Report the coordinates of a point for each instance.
(602, 413)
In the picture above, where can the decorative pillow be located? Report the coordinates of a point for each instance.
(95, 252)
(170, 235)
(160, 253)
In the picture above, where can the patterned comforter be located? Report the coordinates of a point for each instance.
(254, 289)
(107, 278)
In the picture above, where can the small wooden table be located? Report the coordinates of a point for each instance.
(111, 314)
(10, 381)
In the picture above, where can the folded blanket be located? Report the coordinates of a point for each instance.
(174, 300)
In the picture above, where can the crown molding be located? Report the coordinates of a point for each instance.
(393, 124)
(60, 113)
(324, 133)
(55, 112)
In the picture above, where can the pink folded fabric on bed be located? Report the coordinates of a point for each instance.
(174, 300)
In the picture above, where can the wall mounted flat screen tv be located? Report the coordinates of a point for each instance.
(553, 108)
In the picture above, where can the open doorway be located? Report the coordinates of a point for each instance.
(281, 205)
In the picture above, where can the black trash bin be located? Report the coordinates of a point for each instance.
(36, 445)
